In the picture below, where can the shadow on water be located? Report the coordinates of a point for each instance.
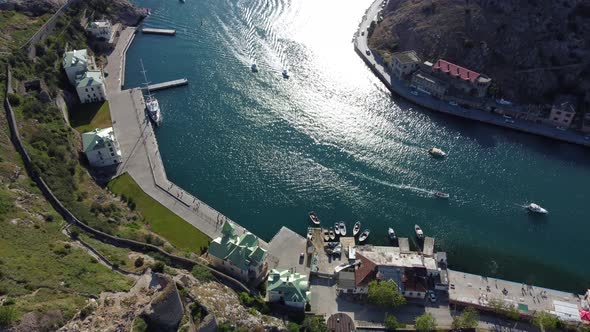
(493, 263)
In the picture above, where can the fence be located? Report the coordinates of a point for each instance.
(177, 261)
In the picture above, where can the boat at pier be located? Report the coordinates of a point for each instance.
(364, 235)
(151, 103)
(440, 194)
(419, 232)
(326, 235)
(356, 229)
(337, 228)
(314, 218)
(436, 152)
(342, 229)
(331, 234)
(536, 208)
(391, 234)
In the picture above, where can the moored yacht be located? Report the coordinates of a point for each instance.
(342, 229)
(356, 229)
(437, 152)
(364, 235)
(314, 218)
(337, 228)
(151, 103)
(419, 232)
(536, 208)
(391, 234)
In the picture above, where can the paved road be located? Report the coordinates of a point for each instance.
(139, 148)
(425, 100)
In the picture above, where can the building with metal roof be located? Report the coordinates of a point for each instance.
(289, 288)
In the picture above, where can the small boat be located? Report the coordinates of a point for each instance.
(440, 194)
(342, 229)
(536, 208)
(356, 229)
(364, 235)
(337, 228)
(331, 234)
(254, 66)
(419, 232)
(437, 152)
(314, 218)
(309, 233)
(326, 235)
(391, 234)
(286, 72)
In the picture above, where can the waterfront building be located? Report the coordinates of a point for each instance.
(239, 256)
(404, 63)
(563, 111)
(90, 87)
(289, 288)
(408, 269)
(101, 147)
(463, 79)
(101, 30)
(75, 63)
(427, 83)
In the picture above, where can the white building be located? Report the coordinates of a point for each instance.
(75, 62)
(90, 87)
(404, 63)
(101, 30)
(101, 147)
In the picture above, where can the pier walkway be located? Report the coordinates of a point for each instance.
(167, 85)
(141, 155)
(169, 32)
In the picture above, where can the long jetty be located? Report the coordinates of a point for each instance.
(169, 32)
(167, 85)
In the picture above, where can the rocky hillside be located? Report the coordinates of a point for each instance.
(532, 49)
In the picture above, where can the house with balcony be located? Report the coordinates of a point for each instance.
(289, 288)
(102, 30)
(101, 147)
(563, 111)
(238, 255)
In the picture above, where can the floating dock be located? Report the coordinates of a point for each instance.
(169, 32)
(167, 85)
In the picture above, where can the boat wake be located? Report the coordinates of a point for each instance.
(417, 190)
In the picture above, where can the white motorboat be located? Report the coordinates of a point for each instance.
(326, 235)
(286, 72)
(331, 234)
(342, 229)
(337, 228)
(254, 66)
(536, 208)
(356, 229)
(364, 235)
(151, 103)
(314, 218)
(419, 232)
(440, 194)
(391, 234)
(437, 152)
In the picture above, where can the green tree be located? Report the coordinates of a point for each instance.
(292, 327)
(385, 293)
(545, 320)
(467, 320)
(425, 323)
(391, 323)
(314, 324)
(202, 273)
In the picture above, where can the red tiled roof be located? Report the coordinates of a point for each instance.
(362, 271)
(457, 71)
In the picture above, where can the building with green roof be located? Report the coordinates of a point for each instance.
(90, 87)
(75, 62)
(101, 147)
(240, 256)
(289, 288)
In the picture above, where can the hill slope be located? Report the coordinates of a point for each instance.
(532, 49)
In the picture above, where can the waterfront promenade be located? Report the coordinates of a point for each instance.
(398, 87)
(139, 148)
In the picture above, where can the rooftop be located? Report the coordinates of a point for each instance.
(455, 70)
(406, 57)
(89, 78)
(293, 286)
(100, 24)
(243, 251)
(392, 256)
(565, 103)
(97, 138)
(75, 58)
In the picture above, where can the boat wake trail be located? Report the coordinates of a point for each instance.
(417, 190)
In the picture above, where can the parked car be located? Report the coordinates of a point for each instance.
(362, 33)
(508, 120)
(561, 128)
(432, 296)
(453, 103)
(368, 52)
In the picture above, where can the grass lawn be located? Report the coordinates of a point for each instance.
(17, 28)
(87, 117)
(115, 255)
(162, 221)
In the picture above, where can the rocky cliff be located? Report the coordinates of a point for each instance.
(532, 49)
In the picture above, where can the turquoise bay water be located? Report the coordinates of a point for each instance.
(265, 150)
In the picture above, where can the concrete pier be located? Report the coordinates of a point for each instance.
(167, 85)
(168, 32)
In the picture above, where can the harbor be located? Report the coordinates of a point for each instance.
(167, 32)
(168, 85)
